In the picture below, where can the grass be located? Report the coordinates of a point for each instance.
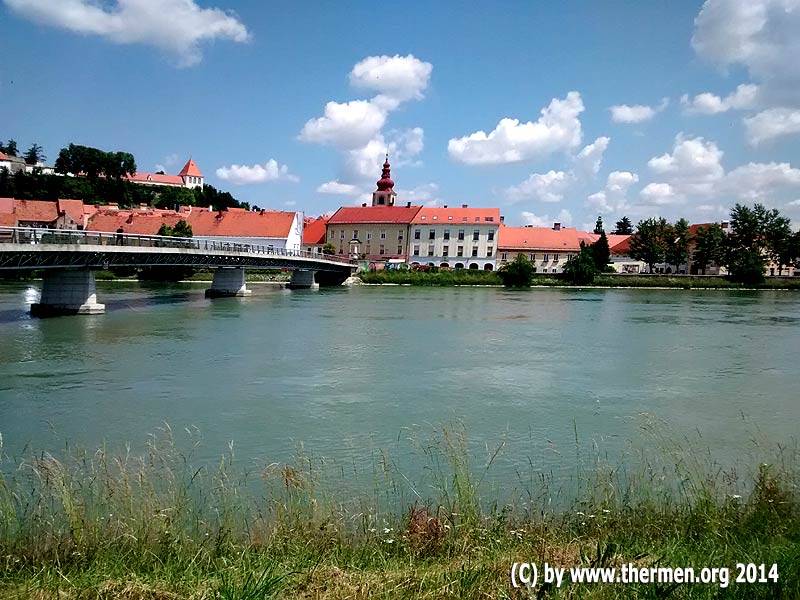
(103, 525)
(472, 277)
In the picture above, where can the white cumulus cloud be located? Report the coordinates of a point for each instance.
(659, 194)
(636, 113)
(745, 96)
(545, 187)
(395, 78)
(347, 125)
(245, 175)
(614, 197)
(771, 124)
(557, 129)
(177, 27)
(589, 159)
(564, 217)
(335, 187)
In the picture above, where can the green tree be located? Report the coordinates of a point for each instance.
(517, 273)
(757, 232)
(34, 155)
(93, 162)
(329, 248)
(581, 268)
(600, 253)
(650, 242)
(173, 197)
(11, 148)
(678, 244)
(623, 227)
(182, 229)
(598, 226)
(709, 246)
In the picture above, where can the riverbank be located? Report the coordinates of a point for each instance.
(94, 525)
(491, 278)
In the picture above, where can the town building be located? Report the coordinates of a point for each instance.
(189, 177)
(61, 214)
(548, 249)
(314, 232)
(278, 229)
(377, 234)
(456, 238)
(12, 163)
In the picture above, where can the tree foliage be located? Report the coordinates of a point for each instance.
(9, 148)
(582, 268)
(678, 245)
(600, 253)
(181, 229)
(650, 242)
(34, 155)
(93, 162)
(709, 246)
(517, 273)
(623, 227)
(329, 248)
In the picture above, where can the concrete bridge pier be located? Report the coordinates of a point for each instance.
(68, 293)
(302, 280)
(227, 283)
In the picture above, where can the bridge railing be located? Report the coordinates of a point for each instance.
(39, 236)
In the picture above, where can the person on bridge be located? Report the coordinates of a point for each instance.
(120, 231)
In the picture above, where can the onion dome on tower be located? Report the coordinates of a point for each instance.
(384, 195)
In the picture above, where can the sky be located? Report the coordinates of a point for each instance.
(553, 111)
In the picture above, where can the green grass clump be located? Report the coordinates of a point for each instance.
(102, 525)
(449, 277)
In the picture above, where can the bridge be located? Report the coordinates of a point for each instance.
(69, 259)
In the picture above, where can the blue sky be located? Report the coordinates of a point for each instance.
(670, 108)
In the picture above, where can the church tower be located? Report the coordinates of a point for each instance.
(384, 195)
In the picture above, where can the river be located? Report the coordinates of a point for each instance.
(350, 374)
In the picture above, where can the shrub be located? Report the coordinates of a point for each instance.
(517, 273)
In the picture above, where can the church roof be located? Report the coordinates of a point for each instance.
(190, 169)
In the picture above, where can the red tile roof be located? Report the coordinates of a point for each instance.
(314, 231)
(457, 215)
(4, 156)
(374, 214)
(72, 208)
(537, 238)
(155, 178)
(613, 238)
(267, 224)
(622, 248)
(6, 205)
(35, 211)
(8, 219)
(190, 168)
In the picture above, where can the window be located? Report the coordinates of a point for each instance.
(476, 235)
(445, 251)
(435, 218)
(341, 234)
(504, 255)
(382, 249)
(399, 249)
(533, 257)
(400, 235)
(423, 217)
(477, 219)
(355, 234)
(490, 219)
(416, 249)
(431, 234)
(383, 234)
(460, 234)
(447, 234)
(341, 250)
(554, 271)
(369, 235)
(489, 251)
(546, 257)
(450, 217)
(555, 257)
(474, 251)
(367, 249)
(430, 250)
(491, 235)
(416, 234)
(460, 251)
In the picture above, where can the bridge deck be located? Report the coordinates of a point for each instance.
(29, 248)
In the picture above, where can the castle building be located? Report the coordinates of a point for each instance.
(189, 177)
